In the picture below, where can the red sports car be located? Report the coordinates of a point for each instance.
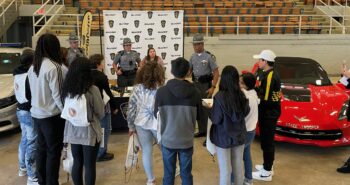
(313, 109)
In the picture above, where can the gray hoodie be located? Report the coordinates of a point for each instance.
(46, 89)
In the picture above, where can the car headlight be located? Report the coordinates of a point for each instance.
(343, 110)
(5, 102)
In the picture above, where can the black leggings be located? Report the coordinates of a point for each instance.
(84, 155)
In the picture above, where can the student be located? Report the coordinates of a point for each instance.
(179, 104)
(27, 145)
(247, 83)
(140, 112)
(228, 131)
(46, 77)
(151, 57)
(101, 81)
(83, 139)
(269, 93)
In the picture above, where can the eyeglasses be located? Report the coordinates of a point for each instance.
(127, 45)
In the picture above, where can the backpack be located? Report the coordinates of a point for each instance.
(75, 111)
(20, 87)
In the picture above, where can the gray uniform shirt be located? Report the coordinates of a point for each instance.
(202, 64)
(127, 60)
(74, 53)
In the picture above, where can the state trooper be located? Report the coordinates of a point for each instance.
(125, 64)
(74, 50)
(205, 75)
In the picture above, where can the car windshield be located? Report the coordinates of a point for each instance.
(302, 73)
(8, 62)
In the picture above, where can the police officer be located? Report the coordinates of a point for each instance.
(74, 50)
(269, 92)
(126, 63)
(205, 75)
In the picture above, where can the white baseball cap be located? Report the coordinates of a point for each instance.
(267, 55)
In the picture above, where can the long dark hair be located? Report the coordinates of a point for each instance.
(79, 78)
(148, 58)
(47, 46)
(235, 100)
(151, 75)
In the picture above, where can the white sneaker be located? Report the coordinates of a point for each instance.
(22, 172)
(153, 182)
(260, 167)
(32, 181)
(262, 175)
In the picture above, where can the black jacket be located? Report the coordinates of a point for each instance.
(228, 129)
(101, 81)
(20, 70)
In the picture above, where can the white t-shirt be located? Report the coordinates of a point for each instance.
(252, 118)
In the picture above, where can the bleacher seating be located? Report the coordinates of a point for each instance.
(254, 16)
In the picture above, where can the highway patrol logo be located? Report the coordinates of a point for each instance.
(176, 31)
(163, 54)
(136, 23)
(163, 37)
(176, 14)
(150, 14)
(176, 47)
(111, 38)
(137, 38)
(150, 46)
(125, 31)
(163, 22)
(150, 31)
(111, 23)
(112, 55)
(124, 13)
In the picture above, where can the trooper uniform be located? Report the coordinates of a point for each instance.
(202, 64)
(74, 53)
(128, 63)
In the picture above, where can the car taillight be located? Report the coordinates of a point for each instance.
(343, 110)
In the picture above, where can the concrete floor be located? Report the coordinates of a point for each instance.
(294, 165)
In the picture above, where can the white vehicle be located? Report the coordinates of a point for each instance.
(9, 60)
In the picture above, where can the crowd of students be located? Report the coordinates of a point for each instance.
(176, 104)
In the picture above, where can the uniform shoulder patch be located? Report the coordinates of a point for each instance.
(212, 55)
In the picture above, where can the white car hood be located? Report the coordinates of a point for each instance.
(6, 85)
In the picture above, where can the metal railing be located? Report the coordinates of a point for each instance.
(5, 8)
(46, 16)
(301, 24)
(329, 4)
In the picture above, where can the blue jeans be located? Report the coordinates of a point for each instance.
(27, 146)
(147, 138)
(247, 159)
(169, 163)
(106, 124)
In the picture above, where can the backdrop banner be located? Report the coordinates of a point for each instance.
(162, 30)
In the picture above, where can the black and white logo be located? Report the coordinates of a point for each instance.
(112, 71)
(150, 31)
(137, 38)
(136, 23)
(163, 55)
(150, 14)
(125, 13)
(111, 38)
(176, 14)
(163, 22)
(111, 23)
(125, 31)
(112, 56)
(176, 47)
(163, 37)
(150, 46)
(176, 31)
